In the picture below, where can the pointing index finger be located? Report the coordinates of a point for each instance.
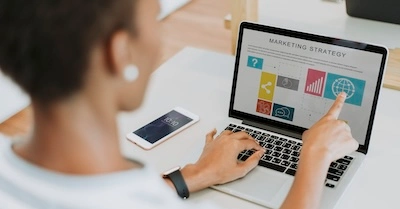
(337, 106)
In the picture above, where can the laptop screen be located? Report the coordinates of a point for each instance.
(290, 79)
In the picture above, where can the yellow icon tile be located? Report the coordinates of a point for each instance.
(267, 86)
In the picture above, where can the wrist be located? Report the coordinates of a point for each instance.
(195, 178)
(175, 179)
(316, 157)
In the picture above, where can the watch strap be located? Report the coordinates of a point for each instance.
(179, 183)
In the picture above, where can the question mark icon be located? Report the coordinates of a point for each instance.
(255, 61)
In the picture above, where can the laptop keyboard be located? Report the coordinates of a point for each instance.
(282, 155)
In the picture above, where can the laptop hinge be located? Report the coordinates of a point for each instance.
(272, 128)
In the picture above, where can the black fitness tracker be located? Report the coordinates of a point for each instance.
(176, 177)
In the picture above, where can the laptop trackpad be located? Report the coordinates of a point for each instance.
(262, 186)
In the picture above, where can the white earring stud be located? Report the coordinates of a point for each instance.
(131, 73)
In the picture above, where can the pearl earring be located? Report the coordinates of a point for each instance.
(131, 73)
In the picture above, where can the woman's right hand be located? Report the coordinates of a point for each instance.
(327, 140)
(330, 137)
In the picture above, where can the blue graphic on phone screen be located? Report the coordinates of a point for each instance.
(162, 126)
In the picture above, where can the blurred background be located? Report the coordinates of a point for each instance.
(212, 25)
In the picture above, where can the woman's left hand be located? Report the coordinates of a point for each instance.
(218, 163)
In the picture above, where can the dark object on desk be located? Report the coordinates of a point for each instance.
(381, 10)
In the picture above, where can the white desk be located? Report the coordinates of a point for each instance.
(328, 18)
(201, 82)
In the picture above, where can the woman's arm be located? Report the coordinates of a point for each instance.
(327, 140)
(308, 184)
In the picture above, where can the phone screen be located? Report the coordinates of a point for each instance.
(162, 126)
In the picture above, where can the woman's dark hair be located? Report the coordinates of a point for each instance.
(45, 44)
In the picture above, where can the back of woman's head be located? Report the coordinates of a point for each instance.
(45, 44)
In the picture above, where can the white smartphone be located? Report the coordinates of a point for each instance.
(162, 128)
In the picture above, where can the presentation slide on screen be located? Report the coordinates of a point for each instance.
(296, 81)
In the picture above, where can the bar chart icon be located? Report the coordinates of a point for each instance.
(315, 82)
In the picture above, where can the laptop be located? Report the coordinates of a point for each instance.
(381, 10)
(284, 81)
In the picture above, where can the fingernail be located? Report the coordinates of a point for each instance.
(343, 94)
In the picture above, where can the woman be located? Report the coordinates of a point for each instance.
(78, 61)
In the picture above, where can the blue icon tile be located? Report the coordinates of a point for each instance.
(354, 88)
(283, 112)
(255, 62)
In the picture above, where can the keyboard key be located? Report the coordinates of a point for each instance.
(268, 152)
(276, 160)
(249, 129)
(244, 158)
(286, 145)
(270, 140)
(285, 156)
(261, 138)
(266, 135)
(276, 154)
(287, 151)
(241, 155)
(271, 166)
(297, 148)
(332, 177)
(274, 137)
(330, 185)
(269, 146)
(236, 130)
(294, 166)
(291, 142)
(278, 149)
(294, 159)
(285, 163)
(348, 158)
(283, 139)
(229, 128)
(299, 143)
(240, 127)
(253, 135)
(342, 167)
(232, 125)
(262, 143)
(335, 172)
(334, 165)
(296, 154)
(277, 142)
(267, 158)
(291, 172)
(257, 132)
(343, 161)
(250, 152)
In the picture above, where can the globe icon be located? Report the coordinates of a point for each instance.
(343, 85)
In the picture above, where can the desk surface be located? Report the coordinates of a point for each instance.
(201, 82)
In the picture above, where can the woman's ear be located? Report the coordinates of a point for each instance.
(118, 53)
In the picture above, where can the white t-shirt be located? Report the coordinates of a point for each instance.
(24, 185)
